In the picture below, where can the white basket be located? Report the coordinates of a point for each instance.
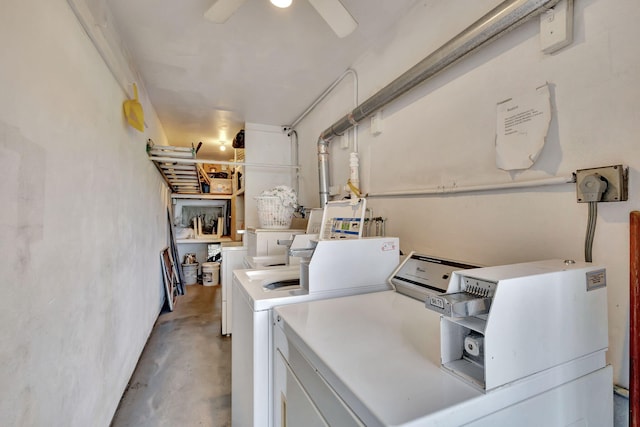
(272, 214)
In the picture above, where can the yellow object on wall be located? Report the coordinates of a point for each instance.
(133, 111)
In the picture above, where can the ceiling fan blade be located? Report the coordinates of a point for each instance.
(338, 18)
(222, 10)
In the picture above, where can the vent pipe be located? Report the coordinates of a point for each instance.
(497, 22)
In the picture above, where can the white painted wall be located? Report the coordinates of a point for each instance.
(268, 145)
(443, 134)
(82, 223)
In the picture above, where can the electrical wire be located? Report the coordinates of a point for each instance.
(591, 231)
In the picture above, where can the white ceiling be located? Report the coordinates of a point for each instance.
(264, 65)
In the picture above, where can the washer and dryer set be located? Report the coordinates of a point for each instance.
(365, 340)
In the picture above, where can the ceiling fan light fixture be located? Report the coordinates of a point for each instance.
(281, 3)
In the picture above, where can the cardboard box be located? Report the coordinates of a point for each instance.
(220, 186)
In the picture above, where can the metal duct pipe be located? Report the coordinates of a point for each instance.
(323, 170)
(497, 22)
(315, 103)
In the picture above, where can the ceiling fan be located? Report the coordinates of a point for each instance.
(332, 11)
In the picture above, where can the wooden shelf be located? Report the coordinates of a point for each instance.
(183, 173)
(212, 239)
(203, 196)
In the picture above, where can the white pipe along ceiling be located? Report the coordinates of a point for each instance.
(503, 18)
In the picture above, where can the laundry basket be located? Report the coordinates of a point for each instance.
(272, 213)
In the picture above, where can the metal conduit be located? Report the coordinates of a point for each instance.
(221, 162)
(327, 91)
(505, 17)
(442, 190)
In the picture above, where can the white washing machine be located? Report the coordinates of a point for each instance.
(511, 345)
(263, 249)
(336, 268)
(232, 258)
(259, 249)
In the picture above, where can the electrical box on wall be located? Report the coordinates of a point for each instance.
(556, 27)
(603, 184)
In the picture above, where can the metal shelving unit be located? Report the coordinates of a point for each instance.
(183, 178)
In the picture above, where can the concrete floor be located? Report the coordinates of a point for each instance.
(183, 377)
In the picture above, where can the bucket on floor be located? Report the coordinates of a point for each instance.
(190, 272)
(210, 273)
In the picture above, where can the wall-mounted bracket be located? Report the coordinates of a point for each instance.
(376, 123)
